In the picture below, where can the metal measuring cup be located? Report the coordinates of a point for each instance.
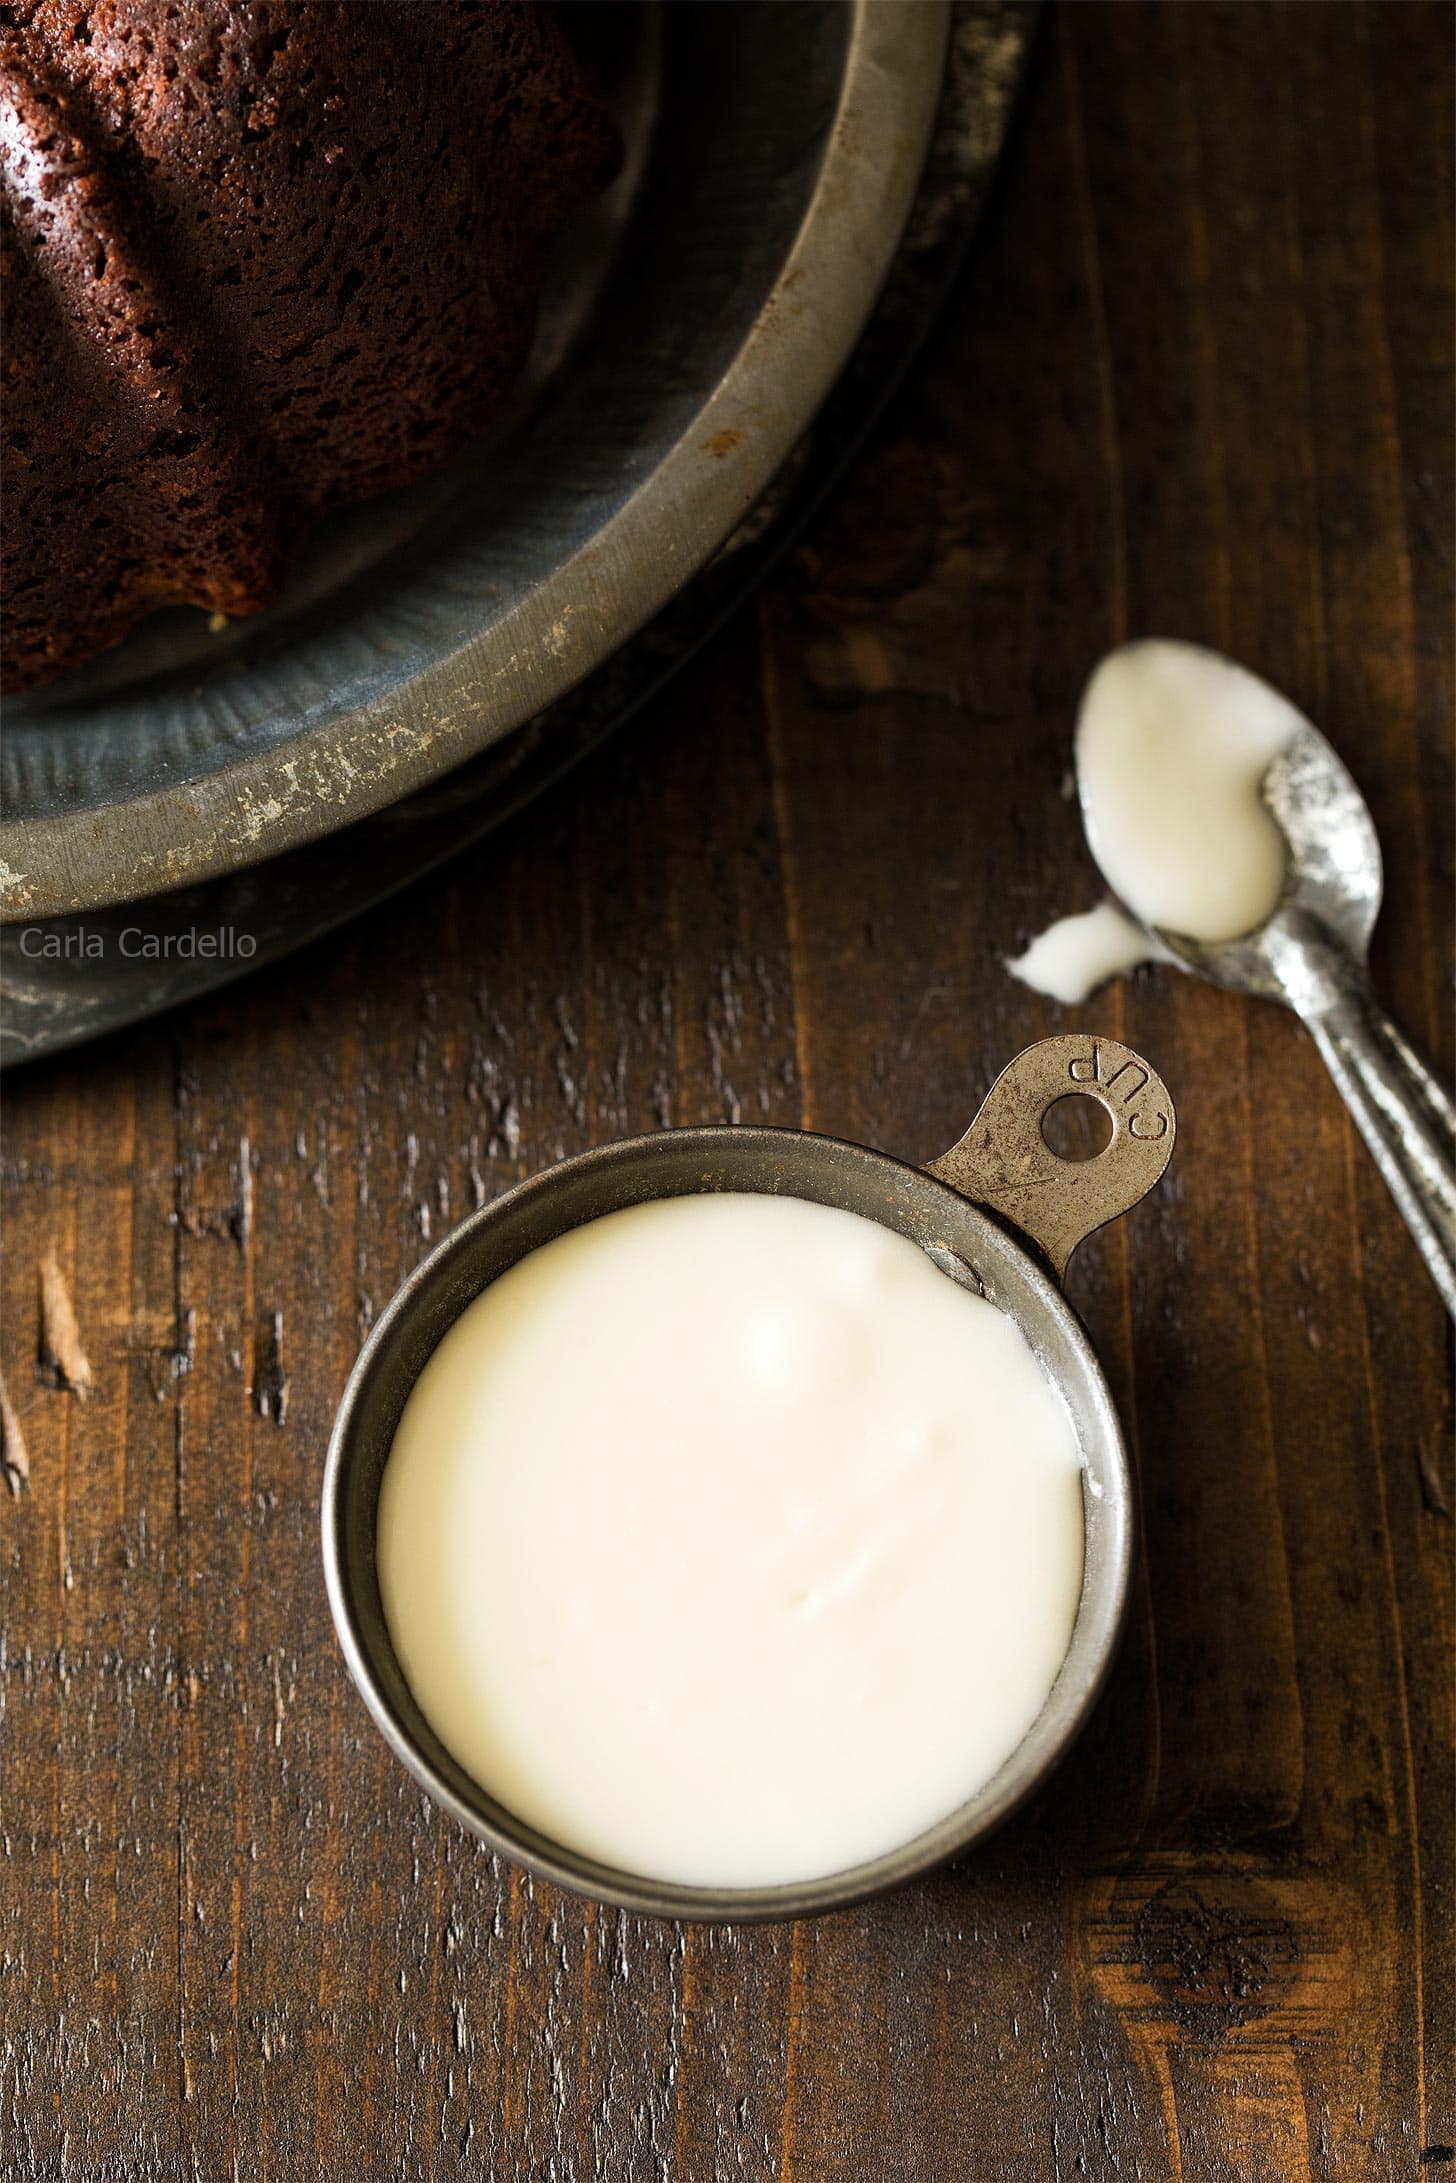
(995, 1213)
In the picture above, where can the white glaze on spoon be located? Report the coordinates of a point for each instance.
(1077, 954)
(1173, 742)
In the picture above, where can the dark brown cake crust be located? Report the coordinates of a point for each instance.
(258, 259)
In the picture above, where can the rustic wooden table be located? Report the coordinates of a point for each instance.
(1197, 380)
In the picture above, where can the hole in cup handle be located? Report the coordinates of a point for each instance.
(1005, 1163)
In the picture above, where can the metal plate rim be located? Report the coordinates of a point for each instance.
(267, 802)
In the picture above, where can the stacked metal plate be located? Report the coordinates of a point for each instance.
(800, 181)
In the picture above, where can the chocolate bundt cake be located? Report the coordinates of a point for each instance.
(259, 258)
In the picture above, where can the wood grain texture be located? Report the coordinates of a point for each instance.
(1196, 381)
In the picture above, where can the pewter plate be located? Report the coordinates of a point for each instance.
(695, 323)
(64, 980)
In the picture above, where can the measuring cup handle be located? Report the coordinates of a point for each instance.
(1004, 1161)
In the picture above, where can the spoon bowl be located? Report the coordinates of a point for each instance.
(1333, 879)
(1310, 953)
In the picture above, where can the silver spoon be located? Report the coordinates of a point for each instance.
(1311, 954)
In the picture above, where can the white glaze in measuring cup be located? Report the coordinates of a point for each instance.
(785, 1532)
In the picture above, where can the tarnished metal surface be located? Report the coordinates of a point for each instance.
(775, 155)
(1005, 1162)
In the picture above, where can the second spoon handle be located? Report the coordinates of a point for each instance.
(1404, 1113)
